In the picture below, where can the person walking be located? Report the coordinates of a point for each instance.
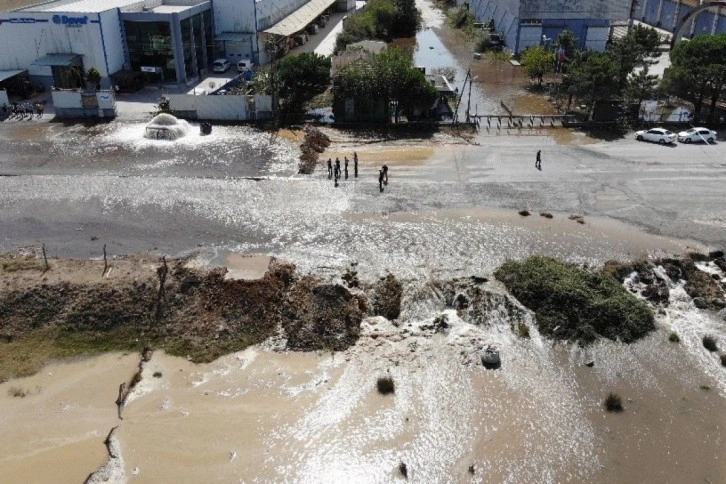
(330, 168)
(337, 166)
(380, 180)
(355, 164)
(385, 174)
(538, 161)
(346, 167)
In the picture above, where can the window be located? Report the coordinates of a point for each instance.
(150, 45)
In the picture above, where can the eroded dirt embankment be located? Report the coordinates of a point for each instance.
(78, 308)
(191, 312)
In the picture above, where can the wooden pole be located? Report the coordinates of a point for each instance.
(45, 258)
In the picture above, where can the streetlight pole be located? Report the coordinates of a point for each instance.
(468, 102)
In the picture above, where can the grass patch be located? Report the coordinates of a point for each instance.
(705, 388)
(577, 218)
(23, 264)
(613, 403)
(17, 392)
(522, 330)
(499, 55)
(709, 342)
(322, 100)
(575, 304)
(524, 213)
(545, 214)
(26, 355)
(157, 374)
(385, 385)
(674, 338)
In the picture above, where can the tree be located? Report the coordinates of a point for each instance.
(698, 72)
(593, 77)
(568, 42)
(635, 47)
(538, 61)
(640, 86)
(299, 78)
(94, 77)
(388, 79)
(408, 19)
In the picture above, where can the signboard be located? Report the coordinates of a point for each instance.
(151, 69)
(70, 21)
(89, 101)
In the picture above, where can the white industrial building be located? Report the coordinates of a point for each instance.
(165, 41)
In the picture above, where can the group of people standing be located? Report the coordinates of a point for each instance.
(21, 110)
(335, 172)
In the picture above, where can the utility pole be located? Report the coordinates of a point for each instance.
(468, 101)
(458, 99)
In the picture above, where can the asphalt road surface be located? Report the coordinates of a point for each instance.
(75, 187)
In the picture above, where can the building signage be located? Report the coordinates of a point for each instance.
(150, 69)
(70, 21)
(21, 20)
(89, 101)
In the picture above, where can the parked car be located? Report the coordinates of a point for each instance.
(245, 65)
(220, 65)
(694, 135)
(656, 135)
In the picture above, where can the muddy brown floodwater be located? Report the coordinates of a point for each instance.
(52, 424)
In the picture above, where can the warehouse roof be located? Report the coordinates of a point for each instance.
(97, 6)
(81, 6)
(300, 18)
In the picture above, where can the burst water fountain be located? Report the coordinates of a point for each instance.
(167, 127)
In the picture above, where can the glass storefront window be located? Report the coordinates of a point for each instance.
(198, 39)
(186, 30)
(150, 45)
(209, 36)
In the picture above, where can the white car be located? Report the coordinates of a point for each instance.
(695, 135)
(244, 65)
(656, 135)
(220, 65)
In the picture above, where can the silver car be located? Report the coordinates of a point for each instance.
(656, 135)
(696, 135)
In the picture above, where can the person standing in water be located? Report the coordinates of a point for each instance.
(330, 168)
(380, 180)
(538, 161)
(385, 174)
(346, 167)
(355, 164)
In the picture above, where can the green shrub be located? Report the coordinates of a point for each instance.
(709, 342)
(723, 359)
(576, 304)
(385, 385)
(613, 403)
(674, 338)
(157, 374)
(17, 392)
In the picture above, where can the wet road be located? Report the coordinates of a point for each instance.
(63, 187)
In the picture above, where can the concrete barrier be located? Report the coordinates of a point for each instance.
(74, 103)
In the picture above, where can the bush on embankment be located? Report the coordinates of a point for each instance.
(576, 304)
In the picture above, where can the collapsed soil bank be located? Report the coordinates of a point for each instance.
(143, 302)
(195, 313)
